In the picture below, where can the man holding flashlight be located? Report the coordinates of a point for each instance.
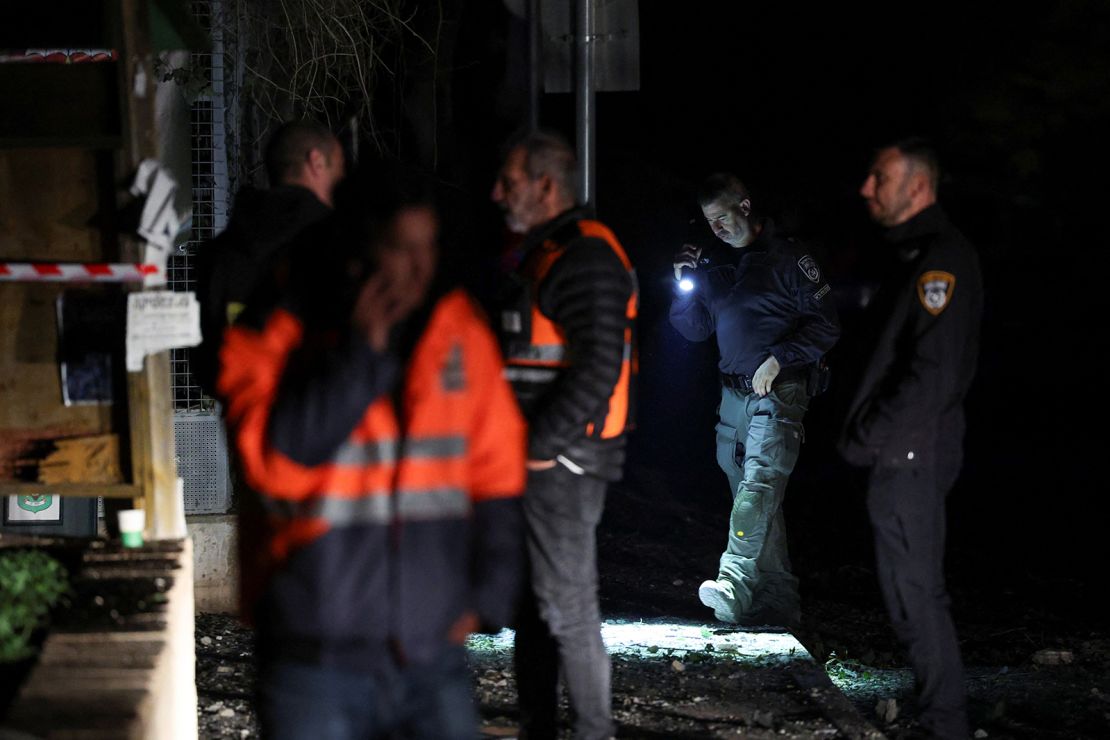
(770, 308)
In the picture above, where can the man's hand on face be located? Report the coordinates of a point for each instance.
(382, 302)
(765, 376)
(687, 257)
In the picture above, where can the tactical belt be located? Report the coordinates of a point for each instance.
(743, 383)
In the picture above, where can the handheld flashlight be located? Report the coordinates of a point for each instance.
(686, 283)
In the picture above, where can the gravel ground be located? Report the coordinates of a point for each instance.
(1033, 672)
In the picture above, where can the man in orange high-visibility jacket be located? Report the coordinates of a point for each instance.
(567, 325)
(369, 411)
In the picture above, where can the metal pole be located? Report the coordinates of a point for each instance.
(584, 70)
(535, 62)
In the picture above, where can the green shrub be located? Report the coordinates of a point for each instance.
(31, 583)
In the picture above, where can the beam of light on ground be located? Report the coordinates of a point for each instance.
(678, 640)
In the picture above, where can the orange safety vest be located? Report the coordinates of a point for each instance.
(539, 359)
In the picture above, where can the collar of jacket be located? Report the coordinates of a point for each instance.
(724, 254)
(930, 221)
(407, 332)
(278, 213)
(258, 206)
(547, 230)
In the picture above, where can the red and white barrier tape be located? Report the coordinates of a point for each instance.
(59, 56)
(82, 272)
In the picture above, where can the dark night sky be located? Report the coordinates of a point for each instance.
(793, 99)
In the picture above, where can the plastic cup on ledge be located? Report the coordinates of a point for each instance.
(131, 525)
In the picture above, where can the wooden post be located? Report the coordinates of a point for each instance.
(152, 446)
(149, 394)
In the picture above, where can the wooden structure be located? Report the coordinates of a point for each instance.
(120, 662)
(71, 138)
(75, 124)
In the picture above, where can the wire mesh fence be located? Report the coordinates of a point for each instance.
(207, 124)
(201, 448)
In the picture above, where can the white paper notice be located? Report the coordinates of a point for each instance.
(160, 320)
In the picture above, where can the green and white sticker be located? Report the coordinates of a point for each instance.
(36, 507)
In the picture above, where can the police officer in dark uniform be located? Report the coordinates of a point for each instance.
(906, 421)
(770, 307)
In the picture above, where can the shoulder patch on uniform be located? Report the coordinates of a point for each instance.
(809, 268)
(934, 290)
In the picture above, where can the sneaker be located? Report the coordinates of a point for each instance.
(719, 596)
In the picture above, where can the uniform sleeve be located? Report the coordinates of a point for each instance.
(817, 327)
(586, 293)
(264, 402)
(942, 319)
(497, 452)
(690, 317)
(322, 396)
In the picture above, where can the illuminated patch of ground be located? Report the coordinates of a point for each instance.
(678, 640)
(684, 679)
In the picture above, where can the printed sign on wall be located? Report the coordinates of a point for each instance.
(38, 508)
(160, 320)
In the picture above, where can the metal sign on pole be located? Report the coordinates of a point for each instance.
(584, 47)
(606, 57)
(616, 45)
(535, 61)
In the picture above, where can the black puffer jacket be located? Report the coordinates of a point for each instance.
(586, 293)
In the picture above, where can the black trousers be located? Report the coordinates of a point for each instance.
(559, 625)
(906, 505)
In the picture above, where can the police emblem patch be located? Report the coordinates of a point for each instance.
(934, 290)
(809, 268)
